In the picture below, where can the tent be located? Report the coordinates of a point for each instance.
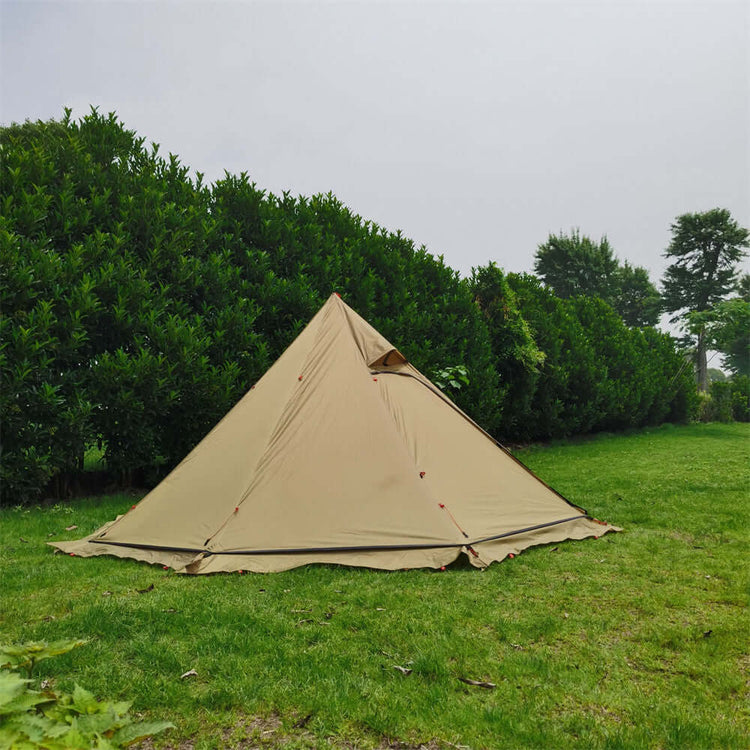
(343, 452)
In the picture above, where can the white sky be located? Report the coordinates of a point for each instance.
(475, 128)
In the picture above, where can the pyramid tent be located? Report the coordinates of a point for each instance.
(343, 452)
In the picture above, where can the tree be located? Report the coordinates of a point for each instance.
(637, 300)
(726, 328)
(517, 358)
(743, 287)
(574, 266)
(706, 248)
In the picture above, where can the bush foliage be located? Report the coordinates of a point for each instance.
(139, 304)
(55, 720)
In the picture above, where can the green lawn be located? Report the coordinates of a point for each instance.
(633, 640)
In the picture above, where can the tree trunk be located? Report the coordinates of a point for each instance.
(701, 363)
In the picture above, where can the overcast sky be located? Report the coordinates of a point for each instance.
(475, 128)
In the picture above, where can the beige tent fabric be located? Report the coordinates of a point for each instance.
(342, 453)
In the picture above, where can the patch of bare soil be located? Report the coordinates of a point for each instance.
(265, 733)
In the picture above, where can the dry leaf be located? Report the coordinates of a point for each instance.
(380, 609)
(191, 673)
(145, 591)
(71, 528)
(478, 683)
(106, 593)
(403, 670)
(21, 539)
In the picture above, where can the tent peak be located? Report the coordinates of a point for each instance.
(376, 350)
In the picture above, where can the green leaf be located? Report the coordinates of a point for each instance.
(135, 732)
(84, 702)
(11, 686)
(25, 655)
(101, 723)
(34, 726)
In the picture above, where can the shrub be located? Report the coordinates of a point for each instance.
(740, 387)
(54, 719)
(719, 407)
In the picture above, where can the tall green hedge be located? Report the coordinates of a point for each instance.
(138, 304)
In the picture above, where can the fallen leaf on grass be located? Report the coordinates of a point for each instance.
(21, 539)
(303, 622)
(191, 673)
(146, 590)
(478, 683)
(554, 549)
(171, 609)
(380, 609)
(403, 670)
(71, 528)
(517, 646)
(106, 593)
(301, 611)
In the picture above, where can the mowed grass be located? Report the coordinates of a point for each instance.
(633, 640)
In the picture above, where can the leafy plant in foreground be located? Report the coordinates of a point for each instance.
(55, 720)
(26, 655)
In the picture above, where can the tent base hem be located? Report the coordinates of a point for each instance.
(480, 554)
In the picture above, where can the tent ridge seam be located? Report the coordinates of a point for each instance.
(272, 434)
